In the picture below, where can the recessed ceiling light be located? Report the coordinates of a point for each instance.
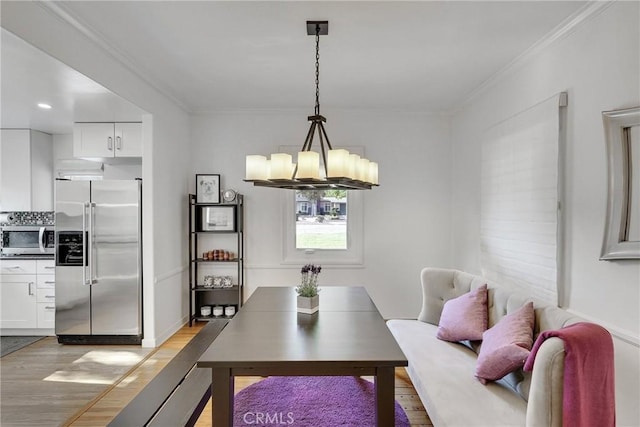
(44, 106)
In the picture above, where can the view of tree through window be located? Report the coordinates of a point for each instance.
(321, 219)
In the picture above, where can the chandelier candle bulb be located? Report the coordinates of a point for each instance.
(256, 168)
(308, 165)
(373, 173)
(281, 166)
(352, 171)
(337, 163)
(363, 170)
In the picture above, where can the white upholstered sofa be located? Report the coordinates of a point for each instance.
(443, 372)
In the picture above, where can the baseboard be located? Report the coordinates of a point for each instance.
(165, 335)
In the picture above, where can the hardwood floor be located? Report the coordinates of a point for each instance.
(45, 383)
(31, 396)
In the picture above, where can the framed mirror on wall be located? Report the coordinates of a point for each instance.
(622, 228)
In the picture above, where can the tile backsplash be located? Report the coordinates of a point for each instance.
(27, 218)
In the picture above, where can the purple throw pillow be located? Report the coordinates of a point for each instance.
(506, 345)
(465, 317)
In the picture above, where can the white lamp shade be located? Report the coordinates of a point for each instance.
(363, 169)
(308, 165)
(268, 168)
(352, 170)
(256, 168)
(337, 163)
(373, 173)
(281, 166)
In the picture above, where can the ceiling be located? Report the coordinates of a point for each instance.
(30, 77)
(219, 55)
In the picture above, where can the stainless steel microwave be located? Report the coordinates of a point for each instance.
(27, 240)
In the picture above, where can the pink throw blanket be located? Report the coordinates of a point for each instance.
(589, 385)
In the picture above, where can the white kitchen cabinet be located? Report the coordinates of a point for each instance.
(27, 292)
(26, 172)
(46, 316)
(18, 296)
(21, 266)
(45, 266)
(46, 294)
(107, 140)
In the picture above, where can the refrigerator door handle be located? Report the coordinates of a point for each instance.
(91, 280)
(41, 239)
(84, 243)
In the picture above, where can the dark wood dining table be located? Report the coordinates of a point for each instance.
(347, 336)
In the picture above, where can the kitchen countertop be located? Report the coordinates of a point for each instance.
(27, 257)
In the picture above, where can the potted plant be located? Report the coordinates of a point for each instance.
(308, 298)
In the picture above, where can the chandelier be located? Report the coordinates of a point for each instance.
(339, 169)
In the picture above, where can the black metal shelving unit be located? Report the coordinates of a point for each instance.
(203, 240)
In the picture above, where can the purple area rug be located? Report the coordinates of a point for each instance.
(310, 402)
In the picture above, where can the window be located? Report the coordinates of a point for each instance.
(303, 207)
(323, 228)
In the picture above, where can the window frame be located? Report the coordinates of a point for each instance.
(352, 256)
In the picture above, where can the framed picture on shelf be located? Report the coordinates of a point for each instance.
(218, 218)
(207, 188)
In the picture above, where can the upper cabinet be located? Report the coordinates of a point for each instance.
(26, 173)
(107, 140)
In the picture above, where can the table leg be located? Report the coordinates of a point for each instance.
(385, 396)
(222, 397)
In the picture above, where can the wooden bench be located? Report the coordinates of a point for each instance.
(179, 393)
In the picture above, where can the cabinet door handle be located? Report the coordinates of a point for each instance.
(49, 282)
(118, 143)
(49, 296)
(110, 143)
(47, 307)
(30, 288)
(49, 267)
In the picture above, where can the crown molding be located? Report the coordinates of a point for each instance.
(562, 30)
(63, 13)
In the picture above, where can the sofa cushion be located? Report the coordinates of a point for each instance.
(464, 317)
(506, 345)
(442, 374)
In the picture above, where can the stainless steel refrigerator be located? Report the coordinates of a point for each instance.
(98, 262)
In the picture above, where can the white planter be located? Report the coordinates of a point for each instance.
(308, 305)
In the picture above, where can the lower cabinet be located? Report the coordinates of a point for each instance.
(18, 294)
(27, 294)
(46, 301)
(46, 316)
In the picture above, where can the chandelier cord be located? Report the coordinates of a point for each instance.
(317, 108)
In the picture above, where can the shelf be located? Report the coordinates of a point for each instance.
(211, 318)
(215, 232)
(202, 288)
(217, 204)
(231, 240)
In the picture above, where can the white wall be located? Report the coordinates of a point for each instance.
(599, 65)
(165, 157)
(406, 220)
